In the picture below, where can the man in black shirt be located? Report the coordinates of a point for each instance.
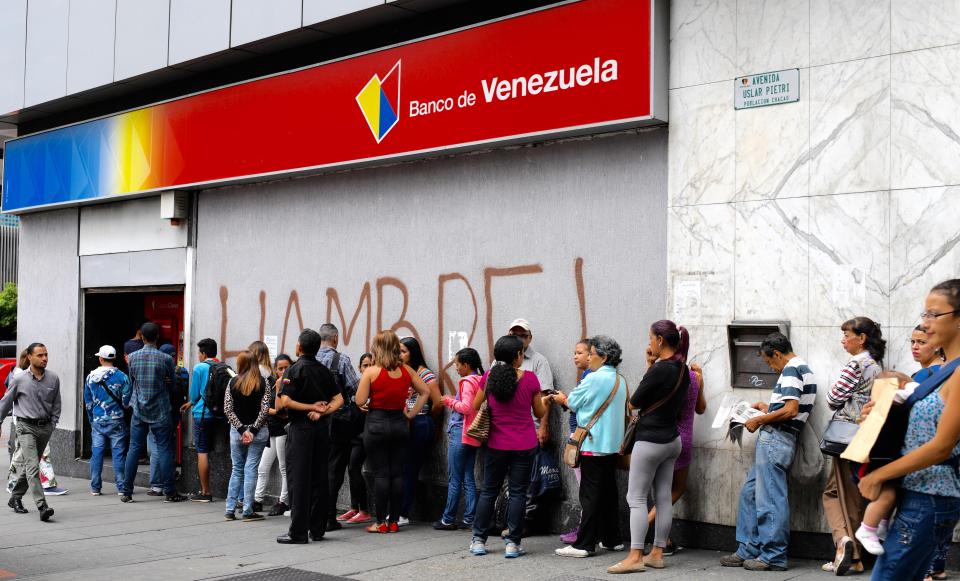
(310, 395)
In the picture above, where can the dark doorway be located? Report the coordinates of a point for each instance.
(113, 317)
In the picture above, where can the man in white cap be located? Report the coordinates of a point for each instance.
(106, 397)
(538, 364)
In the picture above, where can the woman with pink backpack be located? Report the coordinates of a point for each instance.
(461, 449)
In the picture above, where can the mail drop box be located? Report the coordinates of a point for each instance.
(747, 368)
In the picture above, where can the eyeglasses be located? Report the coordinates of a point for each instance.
(928, 316)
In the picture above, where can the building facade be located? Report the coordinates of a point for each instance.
(838, 202)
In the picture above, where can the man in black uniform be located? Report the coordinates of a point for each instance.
(310, 394)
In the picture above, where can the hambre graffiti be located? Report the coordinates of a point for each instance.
(350, 333)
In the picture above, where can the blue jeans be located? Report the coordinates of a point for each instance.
(516, 466)
(763, 521)
(243, 476)
(138, 440)
(460, 461)
(114, 431)
(421, 434)
(922, 519)
(155, 482)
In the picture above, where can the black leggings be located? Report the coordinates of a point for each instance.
(385, 440)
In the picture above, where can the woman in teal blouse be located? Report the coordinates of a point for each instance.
(599, 497)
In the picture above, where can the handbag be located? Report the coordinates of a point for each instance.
(626, 445)
(571, 451)
(480, 426)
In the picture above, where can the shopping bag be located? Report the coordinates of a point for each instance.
(863, 441)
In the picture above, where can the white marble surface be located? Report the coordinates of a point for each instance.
(701, 144)
(772, 35)
(925, 118)
(924, 247)
(849, 258)
(773, 149)
(772, 268)
(703, 44)
(842, 30)
(700, 253)
(917, 24)
(850, 127)
(708, 348)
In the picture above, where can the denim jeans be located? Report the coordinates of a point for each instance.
(921, 520)
(460, 461)
(243, 475)
(763, 520)
(421, 434)
(114, 431)
(138, 440)
(516, 466)
(155, 482)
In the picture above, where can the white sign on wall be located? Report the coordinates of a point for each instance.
(774, 88)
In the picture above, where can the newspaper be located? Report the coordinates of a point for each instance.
(732, 415)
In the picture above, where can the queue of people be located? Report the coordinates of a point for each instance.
(321, 418)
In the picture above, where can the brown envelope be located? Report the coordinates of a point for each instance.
(882, 394)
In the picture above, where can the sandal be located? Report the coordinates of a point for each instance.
(377, 528)
(621, 568)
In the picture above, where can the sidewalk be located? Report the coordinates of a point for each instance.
(100, 538)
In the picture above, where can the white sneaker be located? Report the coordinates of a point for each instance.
(512, 550)
(478, 547)
(870, 541)
(571, 551)
(403, 521)
(614, 548)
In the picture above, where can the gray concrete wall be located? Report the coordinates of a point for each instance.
(519, 229)
(48, 308)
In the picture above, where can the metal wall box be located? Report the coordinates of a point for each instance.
(747, 368)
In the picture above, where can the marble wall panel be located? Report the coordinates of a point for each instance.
(833, 39)
(701, 145)
(849, 258)
(773, 149)
(924, 24)
(850, 127)
(700, 255)
(703, 44)
(925, 118)
(772, 35)
(708, 348)
(772, 268)
(924, 247)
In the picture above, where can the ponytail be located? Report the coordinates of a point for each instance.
(677, 338)
(502, 379)
(469, 356)
(875, 344)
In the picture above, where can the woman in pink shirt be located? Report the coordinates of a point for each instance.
(461, 448)
(510, 394)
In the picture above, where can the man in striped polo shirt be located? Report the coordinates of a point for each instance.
(763, 521)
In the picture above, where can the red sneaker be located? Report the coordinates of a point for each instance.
(394, 528)
(347, 515)
(360, 518)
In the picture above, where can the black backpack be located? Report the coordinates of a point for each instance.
(217, 382)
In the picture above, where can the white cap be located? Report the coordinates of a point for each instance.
(522, 323)
(107, 352)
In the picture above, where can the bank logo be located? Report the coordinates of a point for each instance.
(379, 101)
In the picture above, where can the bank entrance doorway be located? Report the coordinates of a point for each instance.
(113, 317)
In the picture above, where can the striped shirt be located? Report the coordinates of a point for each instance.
(797, 382)
(854, 377)
(427, 376)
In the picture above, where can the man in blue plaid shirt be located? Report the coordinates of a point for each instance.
(151, 372)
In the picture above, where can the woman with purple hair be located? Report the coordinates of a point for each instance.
(660, 398)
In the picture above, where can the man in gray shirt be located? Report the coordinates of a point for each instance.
(36, 397)
(538, 364)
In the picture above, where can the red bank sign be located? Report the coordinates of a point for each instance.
(573, 68)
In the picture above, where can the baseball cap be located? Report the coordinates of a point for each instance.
(522, 323)
(107, 352)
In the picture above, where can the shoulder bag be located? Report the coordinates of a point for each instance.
(626, 446)
(127, 411)
(571, 452)
(480, 426)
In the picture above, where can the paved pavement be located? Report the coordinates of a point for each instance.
(100, 538)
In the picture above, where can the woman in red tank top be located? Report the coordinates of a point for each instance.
(383, 392)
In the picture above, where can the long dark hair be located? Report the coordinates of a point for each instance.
(875, 343)
(677, 338)
(416, 353)
(951, 290)
(502, 379)
(469, 356)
